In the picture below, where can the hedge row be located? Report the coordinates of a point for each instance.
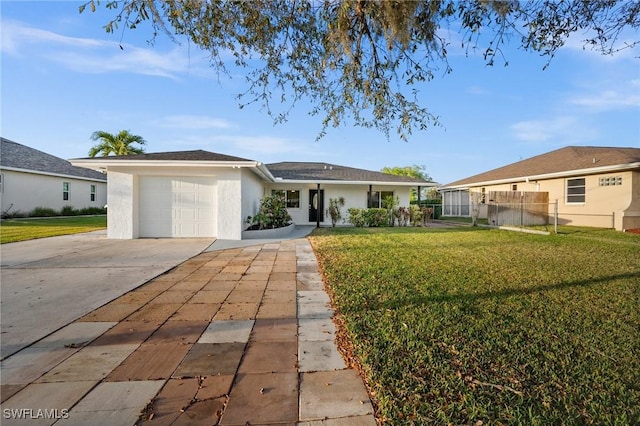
(49, 212)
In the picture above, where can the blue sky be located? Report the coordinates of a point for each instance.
(63, 77)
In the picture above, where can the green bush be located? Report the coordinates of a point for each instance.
(376, 217)
(68, 211)
(272, 214)
(43, 212)
(91, 211)
(357, 217)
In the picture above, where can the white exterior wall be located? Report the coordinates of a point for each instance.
(122, 200)
(252, 192)
(26, 191)
(229, 204)
(354, 196)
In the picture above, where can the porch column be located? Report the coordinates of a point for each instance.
(318, 213)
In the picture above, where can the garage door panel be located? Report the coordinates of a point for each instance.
(177, 206)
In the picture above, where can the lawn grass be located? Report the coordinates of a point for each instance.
(15, 230)
(474, 325)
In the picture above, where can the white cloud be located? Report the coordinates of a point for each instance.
(93, 56)
(565, 129)
(610, 99)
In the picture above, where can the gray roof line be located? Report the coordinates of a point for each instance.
(17, 156)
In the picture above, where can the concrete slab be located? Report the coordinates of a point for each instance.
(276, 311)
(184, 332)
(196, 312)
(113, 403)
(269, 357)
(174, 396)
(227, 332)
(50, 282)
(210, 296)
(210, 359)
(274, 330)
(56, 398)
(263, 399)
(237, 311)
(215, 386)
(319, 356)
(316, 329)
(155, 312)
(309, 281)
(150, 362)
(29, 364)
(92, 363)
(333, 394)
(311, 297)
(7, 391)
(127, 332)
(344, 421)
(201, 413)
(75, 335)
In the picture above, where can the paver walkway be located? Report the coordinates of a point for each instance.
(231, 337)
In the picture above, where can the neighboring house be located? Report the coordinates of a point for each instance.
(205, 194)
(30, 178)
(594, 186)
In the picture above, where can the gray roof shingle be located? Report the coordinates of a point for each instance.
(561, 160)
(332, 172)
(196, 155)
(18, 156)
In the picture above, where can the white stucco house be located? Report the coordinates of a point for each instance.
(206, 194)
(30, 178)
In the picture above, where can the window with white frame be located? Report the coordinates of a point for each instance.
(376, 198)
(65, 191)
(610, 181)
(576, 190)
(93, 193)
(291, 196)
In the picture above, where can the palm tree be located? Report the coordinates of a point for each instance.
(119, 144)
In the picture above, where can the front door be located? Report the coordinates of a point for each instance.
(316, 205)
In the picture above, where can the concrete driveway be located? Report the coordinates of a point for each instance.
(50, 282)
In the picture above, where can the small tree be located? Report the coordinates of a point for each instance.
(334, 210)
(391, 204)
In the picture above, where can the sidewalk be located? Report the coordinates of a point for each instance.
(231, 337)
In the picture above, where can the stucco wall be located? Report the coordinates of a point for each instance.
(252, 193)
(354, 196)
(27, 191)
(229, 207)
(122, 213)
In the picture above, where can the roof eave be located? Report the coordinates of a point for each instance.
(545, 176)
(353, 182)
(106, 164)
(63, 175)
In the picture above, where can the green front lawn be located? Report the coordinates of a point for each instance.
(469, 325)
(15, 230)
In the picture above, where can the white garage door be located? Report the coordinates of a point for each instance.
(176, 206)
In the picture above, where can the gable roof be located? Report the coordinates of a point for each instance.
(195, 155)
(16, 156)
(568, 161)
(323, 172)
